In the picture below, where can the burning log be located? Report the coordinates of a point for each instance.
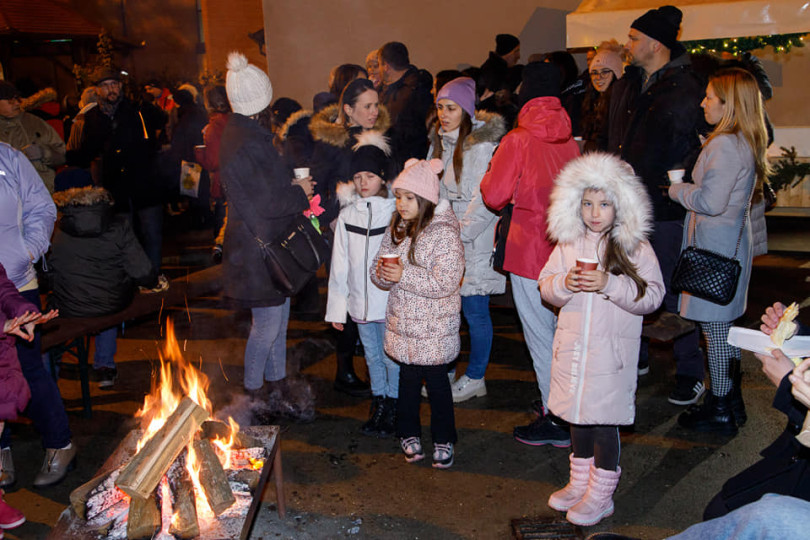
(213, 479)
(144, 518)
(214, 429)
(140, 477)
(184, 520)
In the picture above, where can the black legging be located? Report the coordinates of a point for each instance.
(599, 442)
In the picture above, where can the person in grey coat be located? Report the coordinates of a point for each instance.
(730, 169)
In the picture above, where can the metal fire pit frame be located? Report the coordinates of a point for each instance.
(72, 527)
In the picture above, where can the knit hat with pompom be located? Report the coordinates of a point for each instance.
(249, 89)
(421, 178)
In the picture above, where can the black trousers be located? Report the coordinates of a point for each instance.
(442, 416)
(600, 442)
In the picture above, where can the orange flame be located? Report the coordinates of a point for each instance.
(224, 445)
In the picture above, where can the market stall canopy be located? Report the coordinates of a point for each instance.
(595, 21)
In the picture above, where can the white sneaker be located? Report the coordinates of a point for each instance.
(466, 388)
(451, 376)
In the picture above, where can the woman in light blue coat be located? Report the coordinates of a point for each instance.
(465, 139)
(730, 169)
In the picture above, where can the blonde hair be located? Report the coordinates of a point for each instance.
(744, 113)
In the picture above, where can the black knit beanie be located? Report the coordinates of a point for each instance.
(371, 154)
(661, 24)
(540, 79)
(505, 43)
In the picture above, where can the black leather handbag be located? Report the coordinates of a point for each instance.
(706, 274)
(294, 257)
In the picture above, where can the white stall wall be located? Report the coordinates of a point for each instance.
(306, 38)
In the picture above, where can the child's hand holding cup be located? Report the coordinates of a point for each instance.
(389, 267)
(304, 180)
(572, 279)
(587, 277)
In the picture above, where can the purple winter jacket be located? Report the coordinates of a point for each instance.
(14, 392)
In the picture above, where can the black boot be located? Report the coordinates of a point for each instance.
(737, 405)
(715, 414)
(346, 380)
(375, 416)
(388, 424)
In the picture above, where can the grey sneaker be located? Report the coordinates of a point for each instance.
(442, 455)
(7, 476)
(106, 377)
(412, 448)
(466, 388)
(58, 461)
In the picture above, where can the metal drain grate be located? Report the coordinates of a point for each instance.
(545, 528)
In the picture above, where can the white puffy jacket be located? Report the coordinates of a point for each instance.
(359, 232)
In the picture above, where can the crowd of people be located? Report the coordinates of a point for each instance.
(582, 189)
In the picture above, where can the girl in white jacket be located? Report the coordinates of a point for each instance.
(359, 232)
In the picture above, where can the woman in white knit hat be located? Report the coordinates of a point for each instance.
(263, 199)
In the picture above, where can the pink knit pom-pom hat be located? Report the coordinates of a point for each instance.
(421, 178)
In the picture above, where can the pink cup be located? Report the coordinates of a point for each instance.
(392, 259)
(587, 264)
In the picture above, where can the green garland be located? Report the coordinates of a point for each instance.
(781, 43)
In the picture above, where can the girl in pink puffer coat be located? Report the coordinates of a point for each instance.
(423, 314)
(600, 216)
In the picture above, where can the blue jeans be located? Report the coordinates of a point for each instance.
(666, 242)
(539, 324)
(266, 349)
(104, 356)
(383, 372)
(476, 312)
(773, 516)
(45, 409)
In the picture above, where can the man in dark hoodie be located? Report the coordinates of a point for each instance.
(406, 95)
(654, 120)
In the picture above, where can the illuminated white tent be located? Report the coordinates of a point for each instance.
(595, 21)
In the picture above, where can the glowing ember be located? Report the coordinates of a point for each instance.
(256, 464)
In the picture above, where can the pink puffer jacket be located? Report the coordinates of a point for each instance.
(423, 314)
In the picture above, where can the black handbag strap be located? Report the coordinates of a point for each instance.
(693, 224)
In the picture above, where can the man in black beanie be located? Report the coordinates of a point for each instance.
(653, 123)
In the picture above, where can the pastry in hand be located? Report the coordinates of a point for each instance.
(786, 327)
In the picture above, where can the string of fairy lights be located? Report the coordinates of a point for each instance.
(781, 43)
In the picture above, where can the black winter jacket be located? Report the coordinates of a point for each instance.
(408, 101)
(96, 259)
(658, 129)
(262, 201)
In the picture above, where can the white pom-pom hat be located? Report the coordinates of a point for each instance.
(249, 89)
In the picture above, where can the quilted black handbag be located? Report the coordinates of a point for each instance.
(294, 257)
(706, 274)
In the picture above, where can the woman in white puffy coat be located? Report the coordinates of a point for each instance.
(465, 139)
(360, 227)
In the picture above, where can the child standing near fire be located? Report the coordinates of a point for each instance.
(359, 231)
(424, 306)
(604, 277)
(17, 318)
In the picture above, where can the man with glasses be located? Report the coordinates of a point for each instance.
(31, 135)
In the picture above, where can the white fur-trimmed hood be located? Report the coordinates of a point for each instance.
(608, 173)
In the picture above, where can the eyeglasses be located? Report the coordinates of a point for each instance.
(603, 74)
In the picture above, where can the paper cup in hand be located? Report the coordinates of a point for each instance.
(391, 260)
(301, 172)
(587, 264)
(676, 176)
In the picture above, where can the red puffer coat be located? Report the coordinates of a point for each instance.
(14, 392)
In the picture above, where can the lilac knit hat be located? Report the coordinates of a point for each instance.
(608, 59)
(462, 91)
(420, 177)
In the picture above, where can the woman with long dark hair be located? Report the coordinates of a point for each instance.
(731, 168)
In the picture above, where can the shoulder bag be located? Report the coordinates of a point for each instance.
(706, 274)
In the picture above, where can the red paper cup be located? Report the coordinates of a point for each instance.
(587, 264)
(392, 259)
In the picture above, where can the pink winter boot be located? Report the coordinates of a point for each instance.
(572, 493)
(598, 500)
(10, 517)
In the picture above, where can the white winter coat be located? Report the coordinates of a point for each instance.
(476, 220)
(359, 231)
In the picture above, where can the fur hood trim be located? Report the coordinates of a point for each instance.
(373, 138)
(324, 126)
(293, 119)
(487, 127)
(86, 196)
(46, 95)
(608, 173)
(346, 193)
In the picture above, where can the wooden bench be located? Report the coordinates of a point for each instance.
(72, 334)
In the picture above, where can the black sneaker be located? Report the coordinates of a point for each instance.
(106, 377)
(687, 390)
(543, 430)
(643, 366)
